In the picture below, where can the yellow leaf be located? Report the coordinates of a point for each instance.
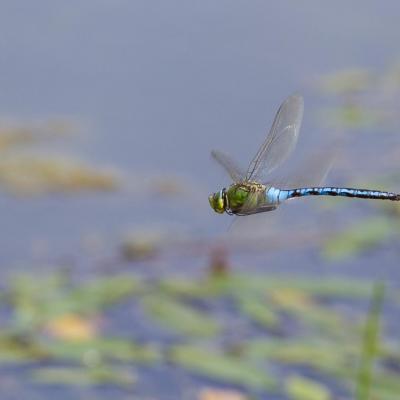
(220, 394)
(71, 327)
(299, 388)
(291, 298)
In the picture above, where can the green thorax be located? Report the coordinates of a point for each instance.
(248, 194)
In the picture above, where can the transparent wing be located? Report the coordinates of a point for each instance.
(281, 139)
(249, 211)
(230, 166)
(251, 206)
(312, 173)
(309, 173)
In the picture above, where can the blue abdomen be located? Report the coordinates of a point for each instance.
(335, 191)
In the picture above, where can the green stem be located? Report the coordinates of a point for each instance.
(370, 344)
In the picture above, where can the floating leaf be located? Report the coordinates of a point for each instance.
(291, 299)
(211, 363)
(299, 388)
(220, 394)
(384, 394)
(71, 327)
(37, 302)
(84, 376)
(190, 288)
(102, 349)
(33, 300)
(367, 98)
(180, 317)
(242, 285)
(16, 134)
(353, 116)
(259, 311)
(385, 385)
(357, 238)
(315, 353)
(30, 175)
(323, 288)
(347, 81)
(302, 305)
(55, 311)
(103, 292)
(19, 349)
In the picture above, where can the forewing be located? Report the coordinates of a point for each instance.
(230, 166)
(281, 139)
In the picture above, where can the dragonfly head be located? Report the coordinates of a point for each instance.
(218, 201)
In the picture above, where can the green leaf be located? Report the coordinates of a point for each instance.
(19, 349)
(386, 385)
(370, 344)
(357, 238)
(240, 286)
(321, 355)
(299, 388)
(103, 292)
(102, 349)
(180, 317)
(79, 376)
(227, 368)
(347, 81)
(258, 310)
(38, 300)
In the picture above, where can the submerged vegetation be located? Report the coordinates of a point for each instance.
(23, 172)
(31, 175)
(367, 98)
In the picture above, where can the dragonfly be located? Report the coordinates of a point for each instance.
(249, 194)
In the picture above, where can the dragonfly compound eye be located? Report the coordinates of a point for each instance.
(217, 202)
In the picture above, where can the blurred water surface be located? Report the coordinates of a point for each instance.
(159, 84)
